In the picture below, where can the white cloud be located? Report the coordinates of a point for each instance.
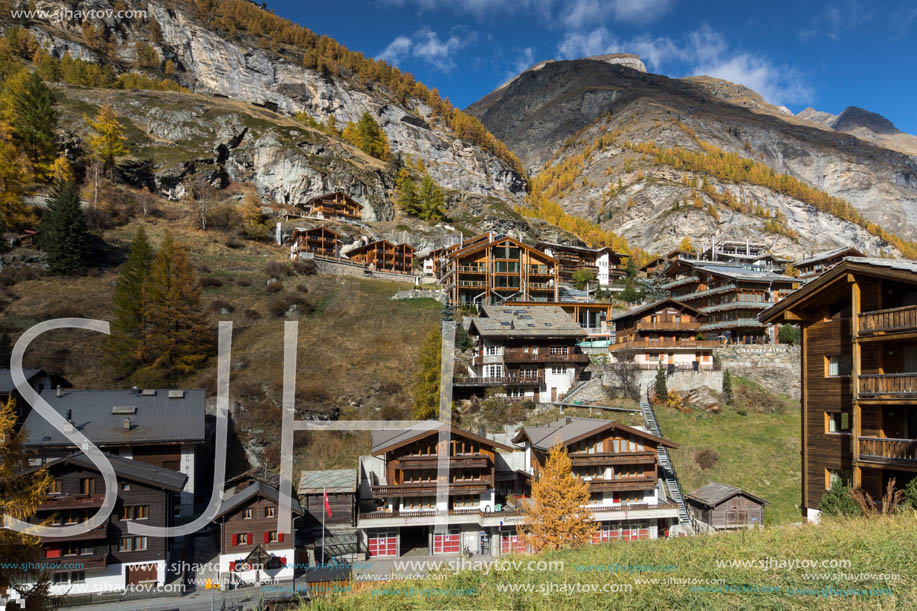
(837, 19)
(701, 52)
(570, 13)
(427, 46)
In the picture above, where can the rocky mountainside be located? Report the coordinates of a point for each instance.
(207, 58)
(601, 140)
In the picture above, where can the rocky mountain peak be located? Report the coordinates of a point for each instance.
(628, 60)
(854, 117)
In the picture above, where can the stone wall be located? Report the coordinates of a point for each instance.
(343, 268)
(776, 367)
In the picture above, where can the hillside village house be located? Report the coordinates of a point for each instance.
(163, 428)
(729, 295)
(531, 352)
(110, 558)
(620, 463)
(334, 205)
(817, 264)
(320, 241)
(859, 375)
(604, 262)
(498, 271)
(400, 478)
(251, 548)
(437, 259)
(37, 379)
(722, 507)
(755, 255)
(384, 256)
(664, 333)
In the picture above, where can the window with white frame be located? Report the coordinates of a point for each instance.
(494, 370)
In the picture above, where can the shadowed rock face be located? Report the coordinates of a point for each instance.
(854, 117)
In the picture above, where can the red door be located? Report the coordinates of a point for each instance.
(511, 543)
(447, 543)
(382, 544)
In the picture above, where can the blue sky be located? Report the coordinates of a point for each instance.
(828, 55)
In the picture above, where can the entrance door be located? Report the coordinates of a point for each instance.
(383, 543)
(447, 542)
(553, 394)
(134, 575)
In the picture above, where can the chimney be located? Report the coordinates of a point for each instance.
(127, 424)
(69, 412)
(136, 389)
(59, 393)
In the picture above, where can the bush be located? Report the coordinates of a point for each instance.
(233, 242)
(210, 281)
(727, 387)
(659, 385)
(910, 494)
(789, 334)
(280, 304)
(276, 269)
(839, 501)
(220, 304)
(242, 281)
(274, 287)
(223, 216)
(251, 314)
(302, 268)
(706, 458)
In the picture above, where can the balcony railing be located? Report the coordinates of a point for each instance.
(499, 381)
(472, 284)
(455, 462)
(666, 344)
(889, 385)
(430, 488)
(680, 282)
(99, 532)
(72, 500)
(539, 270)
(698, 294)
(667, 325)
(516, 355)
(428, 513)
(473, 269)
(894, 320)
(888, 450)
(623, 483)
(85, 562)
(578, 459)
(541, 286)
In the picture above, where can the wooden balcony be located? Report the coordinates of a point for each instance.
(472, 284)
(60, 501)
(666, 344)
(581, 459)
(541, 286)
(70, 563)
(455, 462)
(472, 269)
(500, 381)
(544, 355)
(99, 532)
(539, 270)
(887, 450)
(888, 386)
(893, 321)
(667, 325)
(623, 483)
(430, 489)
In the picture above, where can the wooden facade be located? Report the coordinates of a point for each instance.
(664, 333)
(335, 205)
(251, 525)
(859, 375)
(384, 256)
(571, 259)
(723, 507)
(498, 271)
(320, 241)
(729, 296)
(816, 265)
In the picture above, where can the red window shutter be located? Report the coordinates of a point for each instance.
(249, 538)
(267, 536)
(280, 537)
(232, 566)
(235, 540)
(283, 561)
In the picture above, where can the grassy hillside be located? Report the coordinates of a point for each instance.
(880, 555)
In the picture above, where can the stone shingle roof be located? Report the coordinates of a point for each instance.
(257, 488)
(826, 255)
(566, 430)
(715, 493)
(329, 480)
(125, 468)
(519, 321)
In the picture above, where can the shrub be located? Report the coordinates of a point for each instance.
(659, 385)
(220, 304)
(706, 458)
(233, 242)
(276, 269)
(251, 314)
(302, 268)
(280, 304)
(223, 216)
(210, 281)
(839, 501)
(274, 287)
(789, 334)
(727, 387)
(910, 494)
(242, 281)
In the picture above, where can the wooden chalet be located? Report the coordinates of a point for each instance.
(594, 318)
(341, 487)
(750, 254)
(817, 264)
(722, 507)
(252, 549)
(619, 462)
(320, 241)
(159, 427)
(37, 379)
(401, 477)
(604, 262)
(109, 557)
(859, 375)
(665, 333)
(383, 256)
(730, 297)
(334, 205)
(531, 352)
(500, 270)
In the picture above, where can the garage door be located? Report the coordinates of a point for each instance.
(447, 543)
(140, 573)
(382, 543)
(511, 543)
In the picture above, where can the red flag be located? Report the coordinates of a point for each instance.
(327, 505)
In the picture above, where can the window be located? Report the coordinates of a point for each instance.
(127, 512)
(268, 512)
(837, 422)
(125, 486)
(835, 475)
(247, 514)
(140, 543)
(56, 487)
(86, 485)
(493, 371)
(558, 370)
(78, 577)
(272, 536)
(141, 512)
(836, 366)
(59, 578)
(596, 498)
(125, 545)
(492, 350)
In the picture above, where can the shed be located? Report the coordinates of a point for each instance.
(341, 487)
(725, 507)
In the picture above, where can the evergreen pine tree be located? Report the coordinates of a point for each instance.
(432, 201)
(372, 139)
(178, 339)
(727, 386)
(557, 517)
(839, 501)
(660, 386)
(406, 193)
(108, 143)
(6, 350)
(127, 346)
(15, 175)
(34, 120)
(426, 385)
(63, 234)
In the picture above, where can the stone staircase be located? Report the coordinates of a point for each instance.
(665, 462)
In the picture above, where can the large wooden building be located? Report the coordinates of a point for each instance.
(722, 507)
(818, 264)
(334, 205)
(531, 352)
(383, 256)
(606, 264)
(730, 296)
(859, 375)
(499, 270)
(339, 486)
(662, 333)
(620, 464)
(320, 241)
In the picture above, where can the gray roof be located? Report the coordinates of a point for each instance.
(740, 272)
(519, 321)
(825, 255)
(154, 416)
(383, 440)
(564, 430)
(651, 306)
(329, 480)
(6, 378)
(133, 470)
(257, 488)
(715, 493)
(906, 265)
